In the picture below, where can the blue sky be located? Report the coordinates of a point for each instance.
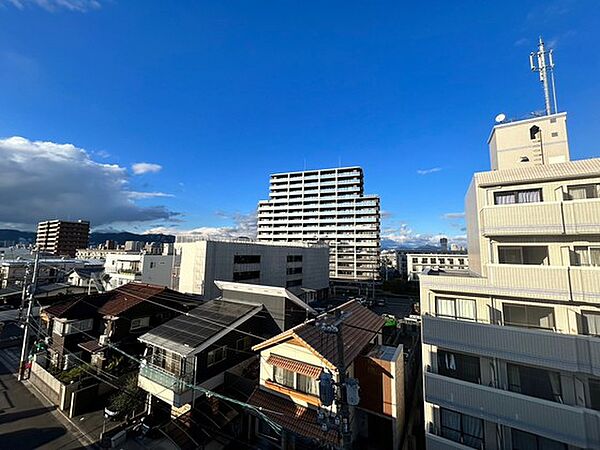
(218, 95)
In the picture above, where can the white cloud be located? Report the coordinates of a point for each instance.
(244, 225)
(428, 171)
(454, 215)
(135, 195)
(143, 167)
(403, 236)
(43, 180)
(55, 5)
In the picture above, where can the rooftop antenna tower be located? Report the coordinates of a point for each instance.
(542, 62)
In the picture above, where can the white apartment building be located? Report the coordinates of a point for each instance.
(122, 268)
(511, 349)
(330, 206)
(302, 268)
(418, 262)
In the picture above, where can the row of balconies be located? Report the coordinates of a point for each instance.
(572, 425)
(562, 283)
(544, 218)
(545, 348)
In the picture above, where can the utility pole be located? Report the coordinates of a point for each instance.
(32, 288)
(342, 418)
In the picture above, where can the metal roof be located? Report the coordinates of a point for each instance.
(192, 332)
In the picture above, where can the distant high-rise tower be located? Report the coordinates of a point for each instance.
(63, 238)
(444, 244)
(326, 205)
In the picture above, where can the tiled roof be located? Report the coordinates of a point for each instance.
(357, 330)
(292, 417)
(295, 366)
(81, 301)
(129, 295)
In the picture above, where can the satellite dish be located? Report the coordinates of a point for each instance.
(500, 118)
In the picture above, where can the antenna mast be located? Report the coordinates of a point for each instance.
(545, 66)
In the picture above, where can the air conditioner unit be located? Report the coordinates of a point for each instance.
(103, 339)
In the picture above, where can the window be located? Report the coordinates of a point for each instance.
(292, 283)
(459, 366)
(247, 275)
(533, 254)
(294, 270)
(524, 196)
(591, 323)
(583, 191)
(64, 328)
(217, 355)
(538, 383)
(152, 264)
(306, 384)
(554, 134)
(522, 440)
(457, 427)
(415, 260)
(243, 343)
(459, 308)
(294, 258)
(528, 316)
(534, 133)
(141, 322)
(585, 256)
(284, 377)
(246, 259)
(595, 394)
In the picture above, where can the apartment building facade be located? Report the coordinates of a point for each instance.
(418, 262)
(300, 267)
(511, 349)
(122, 268)
(326, 205)
(61, 237)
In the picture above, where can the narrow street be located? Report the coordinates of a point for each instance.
(25, 422)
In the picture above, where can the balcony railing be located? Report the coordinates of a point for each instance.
(569, 424)
(543, 218)
(562, 283)
(172, 382)
(568, 352)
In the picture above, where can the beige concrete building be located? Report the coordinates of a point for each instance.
(511, 349)
(61, 237)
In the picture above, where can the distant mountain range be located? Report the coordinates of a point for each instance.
(95, 238)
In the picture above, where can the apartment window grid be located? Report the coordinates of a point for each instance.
(456, 308)
(462, 428)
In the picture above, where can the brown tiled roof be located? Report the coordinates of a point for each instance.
(292, 417)
(129, 295)
(357, 330)
(295, 366)
(61, 309)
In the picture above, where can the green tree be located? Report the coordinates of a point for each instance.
(129, 399)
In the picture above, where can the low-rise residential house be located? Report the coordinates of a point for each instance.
(193, 352)
(87, 277)
(50, 270)
(291, 364)
(122, 268)
(84, 327)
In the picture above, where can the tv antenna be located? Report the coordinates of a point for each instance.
(545, 66)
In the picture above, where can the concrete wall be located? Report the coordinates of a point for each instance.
(204, 262)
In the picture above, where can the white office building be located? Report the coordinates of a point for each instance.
(330, 206)
(302, 268)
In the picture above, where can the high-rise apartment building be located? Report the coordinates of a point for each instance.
(511, 350)
(60, 237)
(327, 205)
